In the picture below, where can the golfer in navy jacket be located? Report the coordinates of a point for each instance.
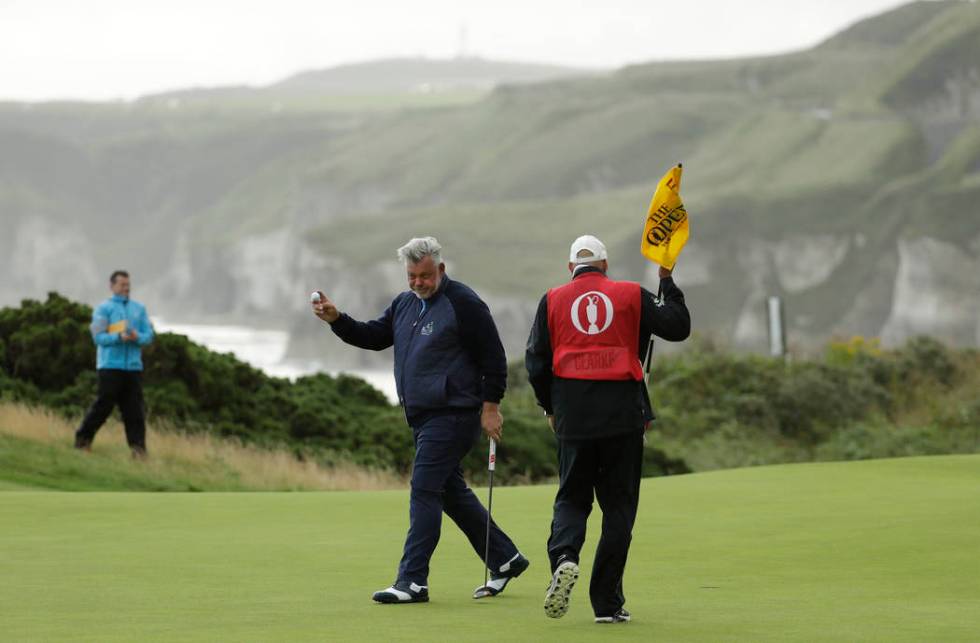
(450, 373)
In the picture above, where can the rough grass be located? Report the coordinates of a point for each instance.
(883, 550)
(36, 451)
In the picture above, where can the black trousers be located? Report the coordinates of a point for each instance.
(610, 468)
(122, 388)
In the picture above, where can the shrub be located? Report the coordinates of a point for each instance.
(714, 409)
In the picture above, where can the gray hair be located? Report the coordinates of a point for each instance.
(418, 249)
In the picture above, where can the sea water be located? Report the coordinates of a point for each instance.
(266, 350)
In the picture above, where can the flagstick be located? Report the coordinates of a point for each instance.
(649, 356)
(648, 360)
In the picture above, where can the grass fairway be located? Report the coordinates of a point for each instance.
(879, 550)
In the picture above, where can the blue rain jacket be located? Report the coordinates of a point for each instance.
(109, 320)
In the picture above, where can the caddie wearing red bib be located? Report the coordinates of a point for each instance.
(584, 362)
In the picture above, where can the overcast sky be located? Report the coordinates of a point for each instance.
(102, 49)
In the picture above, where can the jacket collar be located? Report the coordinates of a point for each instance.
(443, 283)
(588, 270)
(119, 298)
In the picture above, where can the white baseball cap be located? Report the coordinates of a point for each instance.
(596, 248)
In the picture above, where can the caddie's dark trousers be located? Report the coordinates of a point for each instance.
(122, 388)
(611, 467)
(437, 486)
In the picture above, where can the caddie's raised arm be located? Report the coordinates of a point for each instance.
(667, 317)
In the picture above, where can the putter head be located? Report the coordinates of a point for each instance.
(491, 588)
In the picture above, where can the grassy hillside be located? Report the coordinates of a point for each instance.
(420, 74)
(378, 85)
(881, 550)
(36, 452)
(235, 203)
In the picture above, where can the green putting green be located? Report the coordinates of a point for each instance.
(878, 550)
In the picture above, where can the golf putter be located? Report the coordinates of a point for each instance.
(491, 465)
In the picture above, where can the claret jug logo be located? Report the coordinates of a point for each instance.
(591, 318)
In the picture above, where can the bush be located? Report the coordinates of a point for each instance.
(722, 410)
(46, 344)
(714, 409)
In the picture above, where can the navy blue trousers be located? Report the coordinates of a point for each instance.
(438, 486)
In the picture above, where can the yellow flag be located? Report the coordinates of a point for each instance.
(666, 229)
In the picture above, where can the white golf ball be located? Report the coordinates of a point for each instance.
(315, 298)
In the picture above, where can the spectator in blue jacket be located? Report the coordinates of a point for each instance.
(120, 329)
(450, 374)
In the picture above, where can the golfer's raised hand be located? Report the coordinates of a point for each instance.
(663, 273)
(492, 421)
(325, 309)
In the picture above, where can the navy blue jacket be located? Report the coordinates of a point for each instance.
(448, 354)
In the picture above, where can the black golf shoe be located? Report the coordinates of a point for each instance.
(501, 576)
(621, 616)
(559, 592)
(403, 593)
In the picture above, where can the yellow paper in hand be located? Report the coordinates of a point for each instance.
(118, 327)
(667, 229)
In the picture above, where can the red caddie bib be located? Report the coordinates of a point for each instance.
(595, 327)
